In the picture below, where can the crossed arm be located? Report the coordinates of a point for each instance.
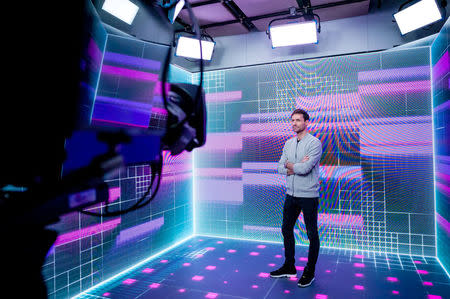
(304, 166)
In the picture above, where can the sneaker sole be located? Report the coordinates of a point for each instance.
(283, 275)
(306, 285)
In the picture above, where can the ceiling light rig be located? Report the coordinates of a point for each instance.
(295, 33)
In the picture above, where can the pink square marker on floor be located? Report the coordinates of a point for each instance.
(199, 255)
(358, 287)
(182, 290)
(303, 259)
(163, 261)
(221, 258)
(254, 253)
(293, 278)
(321, 296)
(225, 282)
(154, 285)
(395, 292)
(211, 295)
(287, 291)
(359, 265)
(148, 270)
(427, 283)
(219, 242)
(434, 296)
(392, 279)
(186, 264)
(328, 271)
(106, 294)
(359, 256)
(422, 271)
(129, 281)
(278, 256)
(271, 265)
(210, 248)
(197, 278)
(263, 275)
(254, 286)
(299, 268)
(261, 246)
(210, 268)
(417, 262)
(359, 275)
(231, 250)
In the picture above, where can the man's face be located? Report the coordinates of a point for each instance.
(298, 123)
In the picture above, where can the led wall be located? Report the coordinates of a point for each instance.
(372, 113)
(441, 115)
(91, 249)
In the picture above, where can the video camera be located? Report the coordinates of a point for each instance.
(62, 141)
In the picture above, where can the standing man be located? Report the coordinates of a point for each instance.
(300, 163)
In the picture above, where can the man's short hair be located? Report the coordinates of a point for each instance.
(301, 111)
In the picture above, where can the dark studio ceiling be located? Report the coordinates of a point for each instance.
(232, 17)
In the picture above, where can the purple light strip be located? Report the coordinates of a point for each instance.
(394, 74)
(94, 52)
(98, 121)
(86, 232)
(123, 103)
(324, 219)
(222, 141)
(134, 232)
(227, 96)
(443, 106)
(395, 88)
(441, 68)
(132, 74)
(132, 61)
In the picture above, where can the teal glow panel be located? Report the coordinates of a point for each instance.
(372, 113)
(441, 115)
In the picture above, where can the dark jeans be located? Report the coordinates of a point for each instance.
(292, 208)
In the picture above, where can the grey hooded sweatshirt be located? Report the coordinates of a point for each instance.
(305, 180)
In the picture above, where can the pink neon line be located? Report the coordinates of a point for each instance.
(443, 223)
(118, 123)
(138, 75)
(86, 232)
(443, 187)
(223, 96)
(219, 172)
(114, 194)
(158, 88)
(394, 88)
(159, 110)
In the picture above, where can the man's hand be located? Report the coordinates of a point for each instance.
(305, 158)
(290, 167)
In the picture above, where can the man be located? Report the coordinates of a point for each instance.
(300, 163)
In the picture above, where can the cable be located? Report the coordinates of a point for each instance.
(156, 170)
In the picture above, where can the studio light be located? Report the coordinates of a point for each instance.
(175, 10)
(293, 34)
(122, 9)
(190, 48)
(417, 15)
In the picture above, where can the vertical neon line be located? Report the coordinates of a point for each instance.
(194, 185)
(98, 79)
(434, 150)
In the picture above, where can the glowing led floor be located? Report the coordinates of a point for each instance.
(205, 267)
